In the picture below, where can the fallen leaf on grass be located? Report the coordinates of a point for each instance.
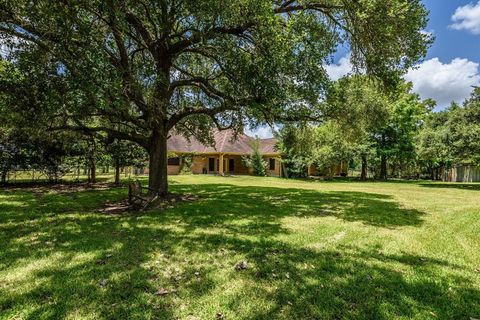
(178, 278)
(163, 291)
(241, 265)
(103, 282)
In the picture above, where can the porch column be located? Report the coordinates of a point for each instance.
(220, 165)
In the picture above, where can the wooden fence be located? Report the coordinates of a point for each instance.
(463, 174)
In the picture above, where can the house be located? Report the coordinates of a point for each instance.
(224, 156)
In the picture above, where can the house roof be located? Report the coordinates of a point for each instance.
(267, 146)
(225, 141)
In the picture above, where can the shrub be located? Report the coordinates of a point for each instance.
(255, 160)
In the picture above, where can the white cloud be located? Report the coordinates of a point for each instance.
(336, 71)
(8, 45)
(5, 50)
(445, 82)
(262, 132)
(467, 18)
(429, 33)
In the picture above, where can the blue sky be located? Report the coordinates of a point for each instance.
(450, 43)
(452, 65)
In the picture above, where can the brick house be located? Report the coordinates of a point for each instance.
(224, 157)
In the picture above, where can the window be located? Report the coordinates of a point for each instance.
(272, 163)
(173, 161)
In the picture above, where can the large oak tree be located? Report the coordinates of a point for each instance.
(137, 69)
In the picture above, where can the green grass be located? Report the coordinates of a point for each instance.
(315, 250)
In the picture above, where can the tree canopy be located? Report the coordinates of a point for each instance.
(367, 120)
(135, 70)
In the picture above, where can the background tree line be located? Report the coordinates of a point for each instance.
(383, 132)
(380, 130)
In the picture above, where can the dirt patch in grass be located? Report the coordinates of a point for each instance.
(167, 202)
(121, 207)
(59, 188)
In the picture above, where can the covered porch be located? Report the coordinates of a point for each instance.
(219, 164)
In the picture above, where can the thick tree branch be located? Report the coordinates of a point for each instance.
(141, 30)
(141, 140)
(198, 36)
(292, 6)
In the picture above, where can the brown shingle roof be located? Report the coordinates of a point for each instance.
(225, 142)
(267, 146)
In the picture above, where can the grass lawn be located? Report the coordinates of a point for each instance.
(315, 250)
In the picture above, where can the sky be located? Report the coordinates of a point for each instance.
(452, 65)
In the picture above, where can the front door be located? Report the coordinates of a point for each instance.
(211, 164)
(231, 165)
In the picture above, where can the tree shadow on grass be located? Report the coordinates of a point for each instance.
(269, 204)
(453, 185)
(349, 282)
(60, 253)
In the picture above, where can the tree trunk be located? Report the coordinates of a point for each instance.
(383, 167)
(363, 175)
(157, 176)
(4, 177)
(93, 169)
(117, 172)
(383, 159)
